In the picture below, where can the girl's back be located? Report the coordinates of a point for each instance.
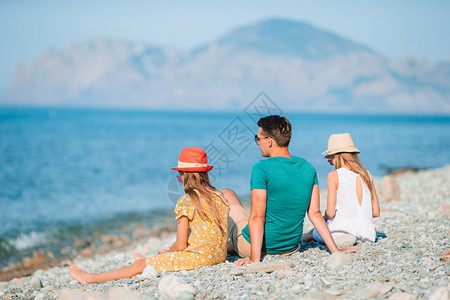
(353, 207)
(206, 236)
(353, 202)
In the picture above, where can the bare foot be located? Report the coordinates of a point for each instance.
(78, 274)
(138, 256)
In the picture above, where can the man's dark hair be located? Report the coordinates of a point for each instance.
(278, 128)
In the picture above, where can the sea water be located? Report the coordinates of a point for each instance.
(65, 170)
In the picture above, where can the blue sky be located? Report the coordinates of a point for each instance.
(394, 28)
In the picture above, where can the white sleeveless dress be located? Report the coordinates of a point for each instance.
(351, 217)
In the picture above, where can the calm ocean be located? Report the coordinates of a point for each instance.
(63, 171)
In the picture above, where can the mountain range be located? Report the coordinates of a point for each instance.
(300, 67)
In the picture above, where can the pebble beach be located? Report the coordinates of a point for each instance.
(410, 260)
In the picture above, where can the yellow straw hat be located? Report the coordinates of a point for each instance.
(338, 143)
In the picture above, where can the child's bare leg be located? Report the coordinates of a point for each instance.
(126, 272)
(308, 237)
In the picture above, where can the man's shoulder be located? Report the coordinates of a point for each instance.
(300, 159)
(266, 164)
(260, 167)
(262, 162)
(275, 162)
(303, 162)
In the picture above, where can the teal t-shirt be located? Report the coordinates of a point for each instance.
(289, 183)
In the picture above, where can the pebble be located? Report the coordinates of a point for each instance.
(333, 292)
(171, 286)
(338, 259)
(185, 295)
(440, 294)
(40, 296)
(384, 289)
(266, 267)
(445, 256)
(346, 240)
(409, 260)
(402, 296)
(149, 272)
(35, 283)
(283, 273)
(115, 293)
(380, 278)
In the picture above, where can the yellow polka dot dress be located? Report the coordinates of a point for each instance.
(207, 245)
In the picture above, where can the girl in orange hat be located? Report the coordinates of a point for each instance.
(202, 210)
(352, 200)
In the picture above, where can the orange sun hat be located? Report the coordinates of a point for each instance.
(193, 160)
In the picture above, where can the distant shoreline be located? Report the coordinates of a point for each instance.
(61, 108)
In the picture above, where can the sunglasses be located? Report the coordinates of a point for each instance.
(258, 139)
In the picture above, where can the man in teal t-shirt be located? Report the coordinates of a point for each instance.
(288, 182)
(283, 189)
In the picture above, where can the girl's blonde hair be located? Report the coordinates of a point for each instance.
(352, 161)
(196, 184)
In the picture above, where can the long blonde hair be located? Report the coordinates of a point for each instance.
(196, 184)
(351, 160)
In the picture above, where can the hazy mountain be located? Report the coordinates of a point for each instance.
(283, 37)
(300, 67)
